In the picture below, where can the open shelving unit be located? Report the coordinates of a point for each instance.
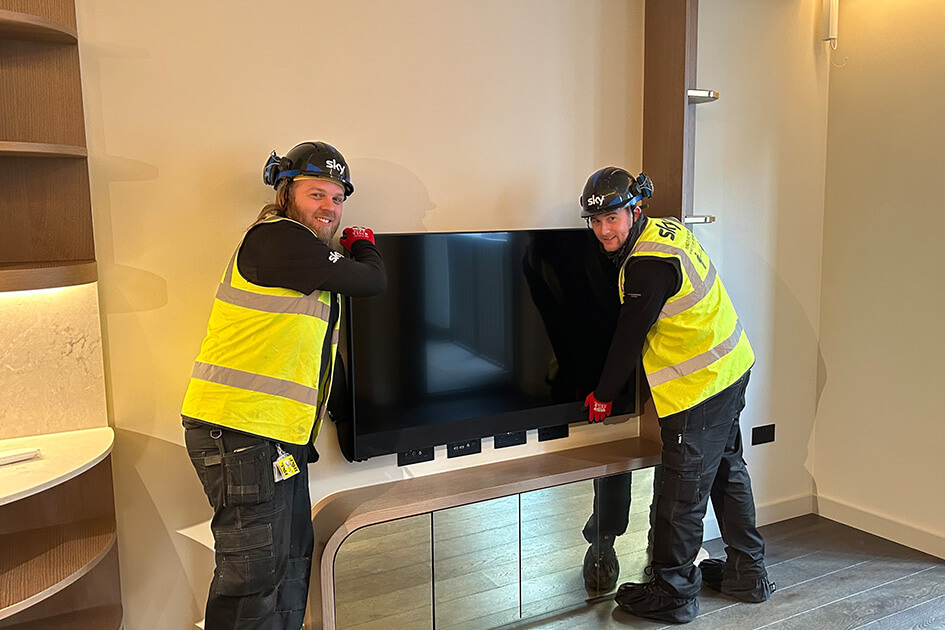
(45, 205)
(58, 552)
(57, 532)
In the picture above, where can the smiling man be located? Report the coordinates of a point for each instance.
(259, 389)
(677, 316)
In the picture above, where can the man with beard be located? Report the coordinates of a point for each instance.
(257, 396)
(676, 314)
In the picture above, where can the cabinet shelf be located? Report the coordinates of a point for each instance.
(45, 275)
(63, 456)
(41, 149)
(14, 25)
(39, 563)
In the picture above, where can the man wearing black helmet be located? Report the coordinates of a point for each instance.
(259, 389)
(677, 316)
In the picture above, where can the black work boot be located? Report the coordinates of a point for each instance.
(600, 566)
(653, 600)
(750, 590)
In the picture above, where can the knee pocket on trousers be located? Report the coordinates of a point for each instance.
(246, 560)
(681, 477)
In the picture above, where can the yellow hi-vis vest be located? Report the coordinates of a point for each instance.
(697, 346)
(259, 365)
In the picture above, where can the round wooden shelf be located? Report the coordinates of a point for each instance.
(63, 456)
(41, 149)
(14, 25)
(45, 275)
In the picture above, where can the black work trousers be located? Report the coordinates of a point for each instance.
(611, 511)
(262, 529)
(702, 457)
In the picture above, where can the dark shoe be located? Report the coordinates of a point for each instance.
(601, 567)
(653, 600)
(750, 590)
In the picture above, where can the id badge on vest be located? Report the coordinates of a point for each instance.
(284, 466)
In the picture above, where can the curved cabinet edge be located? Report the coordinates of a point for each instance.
(41, 149)
(47, 275)
(15, 25)
(30, 477)
(72, 578)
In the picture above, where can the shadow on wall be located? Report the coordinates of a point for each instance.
(164, 573)
(387, 197)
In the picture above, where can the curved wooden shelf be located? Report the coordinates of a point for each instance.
(336, 516)
(14, 25)
(63, 456)
(41, 149)
(39, 563)
(46, 275)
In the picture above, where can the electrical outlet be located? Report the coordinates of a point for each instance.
(467, 447)
(415, 456)
(762, 435)
(512, 438)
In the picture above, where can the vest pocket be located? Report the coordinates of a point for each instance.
(248, 475)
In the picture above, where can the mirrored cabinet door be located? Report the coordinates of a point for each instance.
(384, 576)
(476, 562)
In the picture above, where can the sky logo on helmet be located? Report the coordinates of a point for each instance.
(595, 200)
(335, 165)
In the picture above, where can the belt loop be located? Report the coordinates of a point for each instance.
(217, 436)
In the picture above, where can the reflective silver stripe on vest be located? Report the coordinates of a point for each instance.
(700, 287)
(256, 383)
(305, 305)
(698, 362)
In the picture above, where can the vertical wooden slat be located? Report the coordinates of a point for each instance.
(669, 63)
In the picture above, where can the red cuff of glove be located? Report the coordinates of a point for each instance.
(351, 234)
(596, 410)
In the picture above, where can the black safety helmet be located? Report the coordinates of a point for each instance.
(612, 188)
(315, 159)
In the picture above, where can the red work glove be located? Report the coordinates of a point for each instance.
(597, 410)
(352, 234)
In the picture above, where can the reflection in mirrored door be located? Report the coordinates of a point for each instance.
(383, 577)
(558, 525)
(476, 565)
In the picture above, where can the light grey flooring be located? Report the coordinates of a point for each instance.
(828, 575)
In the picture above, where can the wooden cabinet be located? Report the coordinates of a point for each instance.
(59, 565)
(45, 204)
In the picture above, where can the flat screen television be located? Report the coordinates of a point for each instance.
(478, 334)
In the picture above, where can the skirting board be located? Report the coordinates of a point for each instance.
(882, 526)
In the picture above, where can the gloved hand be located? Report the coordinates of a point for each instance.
(351, 234)
(597, 410)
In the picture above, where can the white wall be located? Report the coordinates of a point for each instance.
(759, 169)
(451, 114)
(880, 426)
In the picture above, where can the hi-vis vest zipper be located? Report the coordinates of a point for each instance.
(259, 365)
(697, 346)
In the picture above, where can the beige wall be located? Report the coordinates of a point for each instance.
(489, 114)
(451, 114)
(879, 425)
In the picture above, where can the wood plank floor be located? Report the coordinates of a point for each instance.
(391, 576)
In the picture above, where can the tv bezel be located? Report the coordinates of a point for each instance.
(364, 446)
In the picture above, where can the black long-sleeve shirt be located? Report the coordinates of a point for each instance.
(288, 255)
(649, 282)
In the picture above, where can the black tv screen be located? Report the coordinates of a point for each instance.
(478, 334)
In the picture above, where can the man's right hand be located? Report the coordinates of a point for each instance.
(351, 234)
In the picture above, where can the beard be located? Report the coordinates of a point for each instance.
(325, 232)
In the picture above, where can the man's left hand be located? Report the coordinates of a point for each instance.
(597, 410)
(352, 234)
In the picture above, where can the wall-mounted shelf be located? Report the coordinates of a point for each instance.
(14, 25)
(45, 275)
(41, 149)
(701, 96)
